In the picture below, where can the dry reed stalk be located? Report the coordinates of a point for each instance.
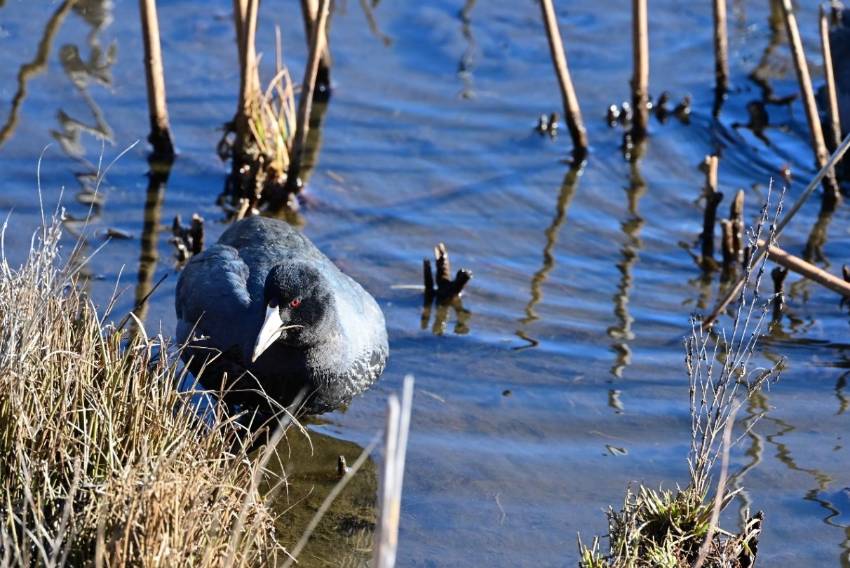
(310, 11)
(830, 187)
(249, 85)
(640, 79)
(807, 269)
(735, 290)
(572, 111)
(736, 216)
(395, 449)
(721, 54)
(712, 201)
(829, 76)
(305, 103)
(160, 136)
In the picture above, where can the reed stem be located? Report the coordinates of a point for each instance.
(310, 10)
(830, 187)
(829, 75)
(160, 135)
(305, 103)
(640, 80)
(721, 55)
(572, 111)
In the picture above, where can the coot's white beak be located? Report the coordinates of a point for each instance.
(270, 332)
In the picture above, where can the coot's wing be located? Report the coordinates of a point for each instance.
(212, 299)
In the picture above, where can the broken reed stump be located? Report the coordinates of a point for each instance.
(160, 135)
(733, 291)
(830, 186)
(721, 55)
(727, 242)
(318, 39)
(778, 275)
(310, 11)
(712, 201)
(834, 129)
(736, 215)
(188, 241)
(572, 111)
(640, 78)
(443, 288)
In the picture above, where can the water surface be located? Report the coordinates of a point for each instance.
(563, 380)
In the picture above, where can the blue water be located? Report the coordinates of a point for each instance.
(581, 294)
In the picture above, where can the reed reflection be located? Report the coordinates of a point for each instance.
(33, 68)
(622, 333)
(467, 60)
(149, 255)
(565, 197)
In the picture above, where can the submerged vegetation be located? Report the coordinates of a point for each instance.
(680, 528)
(105, 462)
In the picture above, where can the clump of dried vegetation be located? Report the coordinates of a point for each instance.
(105, 462)
(680, 528)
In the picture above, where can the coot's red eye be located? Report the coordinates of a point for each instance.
(295, 303)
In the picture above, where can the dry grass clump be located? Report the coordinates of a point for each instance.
(667, 529)
(104, 462)
(259, 141)
(657, 528)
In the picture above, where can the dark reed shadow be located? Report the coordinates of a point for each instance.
(565, 197)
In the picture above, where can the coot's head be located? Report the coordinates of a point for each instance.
(298, 301)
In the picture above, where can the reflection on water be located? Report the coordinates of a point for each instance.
(622, 333)
(506, 448)
(149, 256)
(565, 196)
(442, 315)
(33, 68)
(813, 252)
(344, 535)
(467, 60)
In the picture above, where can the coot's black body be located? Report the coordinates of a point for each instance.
(263, 276)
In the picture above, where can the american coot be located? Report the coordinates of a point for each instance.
(265, 300)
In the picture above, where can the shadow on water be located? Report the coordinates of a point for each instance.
(310, 467)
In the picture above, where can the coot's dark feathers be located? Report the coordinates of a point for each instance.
(221, 301)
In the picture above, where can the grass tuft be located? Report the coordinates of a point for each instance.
(104, 461)
(658, 528)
